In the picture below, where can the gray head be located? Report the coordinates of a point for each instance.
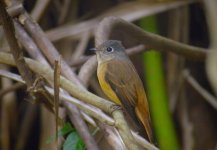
(109, 50)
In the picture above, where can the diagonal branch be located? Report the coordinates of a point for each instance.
(9, 30)
(138, 9)
(131, 35)
(46, 46)
(205, 94)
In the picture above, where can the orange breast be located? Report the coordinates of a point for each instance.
(104, 85)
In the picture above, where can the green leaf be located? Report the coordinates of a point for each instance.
(66, 129)
(73, 142)
(80, 145)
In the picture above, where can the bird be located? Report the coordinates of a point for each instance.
(121, 84)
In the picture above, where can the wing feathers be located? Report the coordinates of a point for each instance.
(125, 82)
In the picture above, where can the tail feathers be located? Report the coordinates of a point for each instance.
(147, 124)
(148, 130)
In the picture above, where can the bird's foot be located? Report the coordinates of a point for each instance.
(115, 107)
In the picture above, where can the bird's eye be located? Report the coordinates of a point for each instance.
(109, 49)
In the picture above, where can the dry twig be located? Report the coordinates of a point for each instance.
(205, 94)
(211, 62)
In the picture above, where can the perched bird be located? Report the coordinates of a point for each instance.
(121, 83)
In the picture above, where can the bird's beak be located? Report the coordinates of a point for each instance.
(93, 49)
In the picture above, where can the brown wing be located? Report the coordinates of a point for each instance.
(124, 80)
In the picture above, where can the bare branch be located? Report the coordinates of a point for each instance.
(137, 9)
(131, 35)
(39, 9)
(211, 62)
(205, 94)
(8, 26)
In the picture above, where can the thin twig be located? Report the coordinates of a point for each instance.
(205, 94)
(178, 31)
(86, 137)
(81, 46)
(12, 76)
(111, 135)
(186, 124)
(87, 70)
(39, 9)
(87, 109)
(56, 95)
(64, 11)
(144, 143)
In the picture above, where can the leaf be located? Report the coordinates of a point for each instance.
(66, 129)
(73, 142)
(80, 145)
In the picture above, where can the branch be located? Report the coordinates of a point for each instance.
(81, 47)
(29, 44)
(131, 35)
(46, 46)
(129, 11)
(9, 30)
(39, 9)
(86, 108)
(211, 63)
(76, 92)
(205, 94)
(87, 70)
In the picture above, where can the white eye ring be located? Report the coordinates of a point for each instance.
(109, 49)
